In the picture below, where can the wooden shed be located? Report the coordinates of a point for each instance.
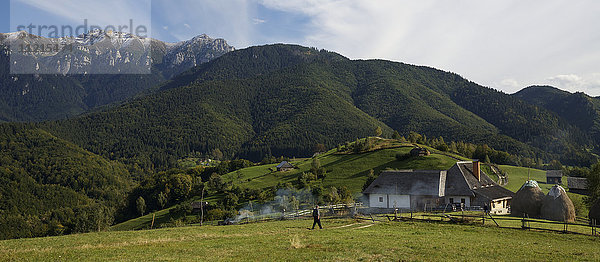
(577, 185)
(554, 177)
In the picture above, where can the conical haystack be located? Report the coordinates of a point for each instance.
(595, 212)
(558, 206)
(528, 200)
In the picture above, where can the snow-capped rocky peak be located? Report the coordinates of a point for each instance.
(118, 39)
(15, 36)
(104, 52)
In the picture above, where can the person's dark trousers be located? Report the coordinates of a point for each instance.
(317, 221)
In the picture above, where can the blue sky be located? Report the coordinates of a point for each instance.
(506, 44)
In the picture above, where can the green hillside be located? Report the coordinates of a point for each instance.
(341, 240)
(49, 186)
(282, 100)
(341, 169)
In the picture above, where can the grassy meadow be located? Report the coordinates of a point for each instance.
(348, 170)
(341, 240)
(518, 175)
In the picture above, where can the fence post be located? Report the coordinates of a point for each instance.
(483, 223)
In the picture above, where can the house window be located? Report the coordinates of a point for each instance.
(451, 200)
(462, 200)
(381, 199)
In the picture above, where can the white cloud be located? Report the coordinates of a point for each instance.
(258, 21)
(481, 40)
(509, 85)
(566, 79)
(571, 82)
(187, 26)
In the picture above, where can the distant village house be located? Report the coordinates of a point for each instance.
(464, 184)
(284, 166)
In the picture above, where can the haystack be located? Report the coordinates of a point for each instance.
(528, 200)
(595, 211)
(558, 206)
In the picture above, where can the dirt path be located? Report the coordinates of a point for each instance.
(365, 226)
(502, 178)
(353, 226)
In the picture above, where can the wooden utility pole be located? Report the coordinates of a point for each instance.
(153, 216)
(202, 206)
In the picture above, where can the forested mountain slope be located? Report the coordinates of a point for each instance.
(282, 99)
(578, 109)
(49, 186)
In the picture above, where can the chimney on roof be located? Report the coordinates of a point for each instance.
(477, 169)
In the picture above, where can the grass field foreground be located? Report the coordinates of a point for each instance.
(341, 240)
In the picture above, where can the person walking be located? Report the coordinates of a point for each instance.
(316, 217)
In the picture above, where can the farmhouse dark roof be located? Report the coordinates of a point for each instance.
(554, 173)
(494, 192)
(577, 183)
(285, 164)
(461, 181)
(409, 182)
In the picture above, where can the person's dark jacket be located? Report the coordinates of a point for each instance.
(316, 213)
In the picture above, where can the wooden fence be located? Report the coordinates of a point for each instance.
(580, 226)
(329, 211)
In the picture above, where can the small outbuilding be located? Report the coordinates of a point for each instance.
(419, 151)
(577, 185)
(284, 166)
(528, 200)
(554, 177)
(558, 206)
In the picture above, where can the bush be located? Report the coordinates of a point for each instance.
(581, 209)
(401, 156)
(180, 210)
(219, 214)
